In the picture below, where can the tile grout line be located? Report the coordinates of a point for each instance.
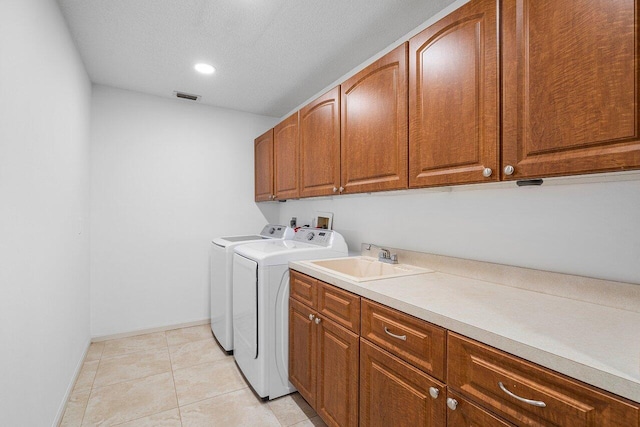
(175, 389)
(84, 413)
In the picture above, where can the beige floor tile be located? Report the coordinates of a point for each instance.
(95, 351)
(236, 409)
(130, 366)
(291, 409)
(312, 422)
(207, 380)
(133, 344)
(86, 375)
(187, 335)
(75, 408)
(169, 418)
(130, 400)
(195, 353)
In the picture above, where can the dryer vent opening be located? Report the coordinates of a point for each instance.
(188, 96)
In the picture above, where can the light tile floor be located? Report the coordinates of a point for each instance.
(172, 379)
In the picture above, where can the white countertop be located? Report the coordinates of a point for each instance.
(597, 344)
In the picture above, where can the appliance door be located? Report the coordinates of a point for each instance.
(245, 308)
(221, 305)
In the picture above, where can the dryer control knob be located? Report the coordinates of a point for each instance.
(310, 236)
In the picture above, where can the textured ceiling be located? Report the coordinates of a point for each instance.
(270, 55)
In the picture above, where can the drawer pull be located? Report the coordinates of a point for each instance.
(537, 403)
(400, 337)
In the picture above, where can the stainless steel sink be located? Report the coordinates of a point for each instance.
(363, 269)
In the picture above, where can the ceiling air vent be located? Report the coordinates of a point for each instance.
(188, 96)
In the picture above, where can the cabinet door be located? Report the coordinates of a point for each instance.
(337, 374)
(374, 126)
(570, 86)
(320, 146)
(285, 155)
(394, 393)
(466, 414)
(453, 98)
(263, 164)
(302, 350)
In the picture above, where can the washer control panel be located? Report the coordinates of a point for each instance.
(273, 231)
(316, 236)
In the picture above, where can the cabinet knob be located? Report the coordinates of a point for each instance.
(341, 189)
(317, 320)
(487, 172)
(509, 170)
(311, 316)
(452, 403)
(335, 189)
(434, 392)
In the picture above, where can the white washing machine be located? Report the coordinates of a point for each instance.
(261, 301)
(221, 278)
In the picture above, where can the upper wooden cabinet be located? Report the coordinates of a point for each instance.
(320, 146)
(374, 126)
(285, 158)
(263, 165)
(570, 86)
(453, 99)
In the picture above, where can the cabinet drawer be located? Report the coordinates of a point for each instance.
(304, 288)
(413, 340)
(340, 306)
(481, 373)
(468, 414)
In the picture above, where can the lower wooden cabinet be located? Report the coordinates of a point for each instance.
(394, 393)
(354, 375)
(324, 364)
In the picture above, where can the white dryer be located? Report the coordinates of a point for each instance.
(221, 278)
(261, 301)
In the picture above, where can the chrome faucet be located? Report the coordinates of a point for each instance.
(386, 256)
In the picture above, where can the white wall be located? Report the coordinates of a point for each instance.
(44, 207)
(589, 229)
(167, 177)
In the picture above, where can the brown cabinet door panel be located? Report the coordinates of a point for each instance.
(320, 145)
(570, 86)
(302, 350)
(374, 126)
(341, 306)
(394, 393)
(304, 288)
(337, 374)
(453, 98)
(263, 165)
(477, 371)
(285, 153)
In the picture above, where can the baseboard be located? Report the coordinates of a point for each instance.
(149, 330)
(67, 395)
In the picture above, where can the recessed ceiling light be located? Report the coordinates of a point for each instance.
(204, 68)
